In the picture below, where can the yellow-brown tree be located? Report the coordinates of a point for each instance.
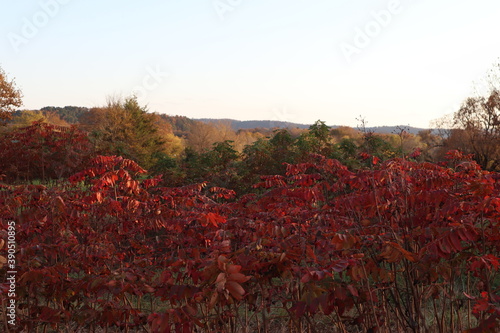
(124, 128)
(10, 97)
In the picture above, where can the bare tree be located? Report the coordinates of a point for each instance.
(202, 135)
(443, 125)
(475, 127)
(479, 117)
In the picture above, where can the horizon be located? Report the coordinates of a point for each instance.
(391, 62)
(248, 120)
(306, 124)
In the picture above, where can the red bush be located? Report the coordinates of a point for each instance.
(404, 246)
(43, 151)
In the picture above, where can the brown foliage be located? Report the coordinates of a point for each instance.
(122, 127)
(479, 118)
(27, 117)
(10, 97)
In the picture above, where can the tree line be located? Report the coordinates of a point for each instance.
(186, 151)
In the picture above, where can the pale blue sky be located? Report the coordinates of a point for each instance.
(279, 60)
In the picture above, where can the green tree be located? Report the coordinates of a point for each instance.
(218, 166)
(267, 156)
(346, 151)
(376, 145)
(316, 140)
(258, 159)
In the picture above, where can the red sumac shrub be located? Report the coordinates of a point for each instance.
(402, 246)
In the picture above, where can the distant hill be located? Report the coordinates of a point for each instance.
(71, 114)
(181, 124)
(394, 129)
(250, 124)
(270, 124)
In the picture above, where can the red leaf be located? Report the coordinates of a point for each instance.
(238, 277)
(235, 289)
(299, 308)
(353, 290)
(455, 241)
(233, 269)
(212, 219)
(340, 265)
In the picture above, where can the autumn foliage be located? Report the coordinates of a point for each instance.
(397, 246)
(43, 151)
(10, 97)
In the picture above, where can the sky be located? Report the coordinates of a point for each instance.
(392, 62)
